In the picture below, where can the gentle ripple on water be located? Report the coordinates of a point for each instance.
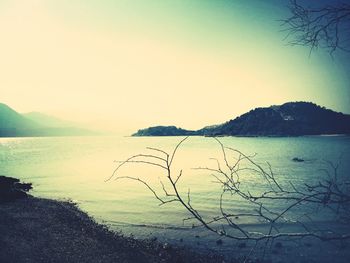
(77, 167)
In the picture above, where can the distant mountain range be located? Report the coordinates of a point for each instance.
(14, 124)
(48, 121)
(289, 119)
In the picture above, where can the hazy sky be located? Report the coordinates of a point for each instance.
(137, 63)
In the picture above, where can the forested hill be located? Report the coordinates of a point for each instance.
(289, 119)
(164, 131)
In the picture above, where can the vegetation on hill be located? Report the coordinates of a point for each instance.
(289, 119)
(163, 131)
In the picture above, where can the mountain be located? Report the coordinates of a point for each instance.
(47, 120)
(13, 124)
(289, 119)
(57, 127)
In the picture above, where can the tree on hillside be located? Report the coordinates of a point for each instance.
(326, 26)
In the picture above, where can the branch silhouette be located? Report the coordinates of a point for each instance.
(329, 194)
(325, 27)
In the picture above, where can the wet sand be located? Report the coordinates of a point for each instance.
(43, 230)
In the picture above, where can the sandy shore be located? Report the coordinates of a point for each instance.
(35, 230)
(42, 230)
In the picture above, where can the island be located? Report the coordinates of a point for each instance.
(289, 119)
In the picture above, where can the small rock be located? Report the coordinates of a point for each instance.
(298, 160)
(11, 189)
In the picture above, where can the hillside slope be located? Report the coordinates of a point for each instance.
(289, 119)
(13, 124)
(47, 120)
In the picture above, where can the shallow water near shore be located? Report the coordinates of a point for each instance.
(77, 168)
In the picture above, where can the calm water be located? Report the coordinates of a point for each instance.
(77, 167)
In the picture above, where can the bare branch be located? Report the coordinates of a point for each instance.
(330, 193)
(326, 27)
(174, 152)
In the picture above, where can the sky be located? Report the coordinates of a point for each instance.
(129, 64)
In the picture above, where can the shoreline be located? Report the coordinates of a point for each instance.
(44, 230)
(38, 230)
(204, 136)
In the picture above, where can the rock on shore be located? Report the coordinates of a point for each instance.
(11, 189)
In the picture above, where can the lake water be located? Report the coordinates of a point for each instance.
(76, 168)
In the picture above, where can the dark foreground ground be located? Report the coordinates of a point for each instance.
(37, 230)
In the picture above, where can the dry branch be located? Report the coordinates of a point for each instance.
(326, 27)
(330, 194)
